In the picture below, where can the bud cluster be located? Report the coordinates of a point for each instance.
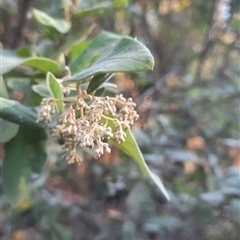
(85, 122)
(48, 108)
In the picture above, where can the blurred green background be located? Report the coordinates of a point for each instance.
(188, 129)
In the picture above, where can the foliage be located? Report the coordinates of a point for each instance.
(187, 133)
(125, 55)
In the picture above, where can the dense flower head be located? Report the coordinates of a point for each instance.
(85, 122)
(48, 108)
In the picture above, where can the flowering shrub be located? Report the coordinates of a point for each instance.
(188, 128)
(70, 98)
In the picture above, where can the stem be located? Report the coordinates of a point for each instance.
(105, 117)
(79, 90)
(82, 113)
(120, 126)
(66, 100)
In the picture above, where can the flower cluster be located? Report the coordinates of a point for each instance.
(89, 121)
(48, 108)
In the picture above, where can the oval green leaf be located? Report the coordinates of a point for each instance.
(97, 81)
(44, 65)
(15, 172)
(97, 47)
(25, 51)
(128, 55)
(130, 147)
(96, 9)
(55, 90)
(8, 130)
(11, 61)
(78, 49)
(17, 113)
(47, 22)
(42, 90)
(37, 153)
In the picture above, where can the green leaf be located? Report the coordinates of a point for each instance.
(45, 48)
(34, 99)
(97, 47)
(120, 3)
(3, 89)
(24, 150)
(17, 113)
(11, 61)
(99, 92)
(44, 65)
(110, 87)
(127, 55)
(8, 130)
(78, 49)
(97, 81)
(49, 23)
(88, 10)
(71, 42)
(15, 173)
(25, 51)
(19, 84)
(37, 154)
(55, 90)
(130, 147)
(42, 90)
